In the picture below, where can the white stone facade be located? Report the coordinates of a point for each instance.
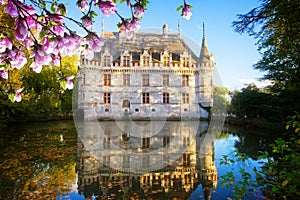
(152, 76)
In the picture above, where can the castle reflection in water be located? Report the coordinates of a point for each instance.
(145, 160)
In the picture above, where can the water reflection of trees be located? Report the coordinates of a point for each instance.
(175, 178)
(252, 142)
(35, 164)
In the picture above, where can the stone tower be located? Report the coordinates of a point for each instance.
(206, 63)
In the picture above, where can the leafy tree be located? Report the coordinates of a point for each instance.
(221, 103)
(253, 102)
(276, 25)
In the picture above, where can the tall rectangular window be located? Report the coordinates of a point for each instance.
(146, 79)
(106, 98)
(106, 142)
(106, 61)
(146, 98)
(166, 97)
(126, 79)
(107, 79)
(166, 61)
(126, 61)
(166, 140)
(186, 141)
(146, 61)
(185, 80)
(185, 98)
(146, 142)
(185, 62)
(186, 159)
(165, 80)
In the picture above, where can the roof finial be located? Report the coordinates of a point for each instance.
(203, 30)
(179, 34)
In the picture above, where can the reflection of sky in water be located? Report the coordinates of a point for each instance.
(227, 147)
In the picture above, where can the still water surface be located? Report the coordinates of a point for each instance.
(54, 160)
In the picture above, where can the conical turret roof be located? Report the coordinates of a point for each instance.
(204, 53)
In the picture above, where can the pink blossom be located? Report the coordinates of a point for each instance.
(127, 28)
(5, 43)
(21, 29)
(58, 30)
(72, 41)
(94, 42)
(87, 22)
(47, 46)
(28, 43)
(70, 84)
(135, 24)
(18, 96)
(32, 23)
(3, 73)
(128, 2)
(11, 9)
(139, 10)
(88, 53)
(107, 7)
(18, 59)
(42, 58)
(36, 67)
(83, 5)
(29, 10)
(186, 13)
(55, 60)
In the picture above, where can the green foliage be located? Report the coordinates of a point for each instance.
(253, 102)
(282, 173)
(43, 98)
(276, 25)
(279, 177)
(221, 102)
(241, 181)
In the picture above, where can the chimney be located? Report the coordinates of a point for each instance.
(165, 29)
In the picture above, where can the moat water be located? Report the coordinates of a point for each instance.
(53, 160)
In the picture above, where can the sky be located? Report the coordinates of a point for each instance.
(235, 54)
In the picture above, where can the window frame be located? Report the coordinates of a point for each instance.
(126, 79)
(165, 79)
(185, 80)
(145, 98)
(126, 61)
(107, 79)
(185, 98)
(166, 98)
(146, 79)
(106, 98)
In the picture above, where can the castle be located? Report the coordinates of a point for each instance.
(150, 76)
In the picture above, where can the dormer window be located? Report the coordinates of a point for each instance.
(166, 60)
(126, 61)
(106, 61)
(185, 59)
(185, 62)
(146, 62)
(125, 58)
(106, 58)
(145, 59)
